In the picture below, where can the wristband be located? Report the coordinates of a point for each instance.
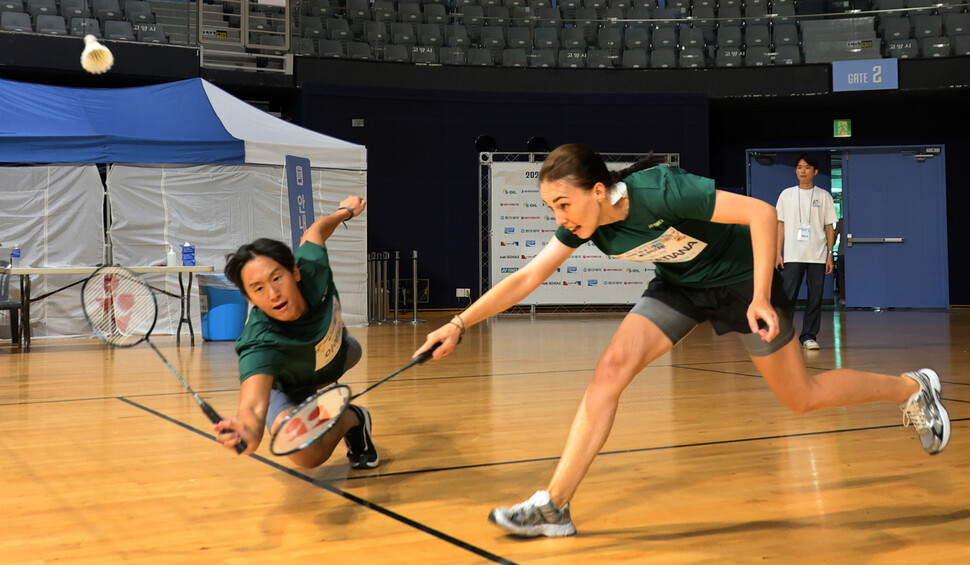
(349, 209)
(462, 326)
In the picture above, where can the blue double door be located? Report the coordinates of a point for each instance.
(892, 231)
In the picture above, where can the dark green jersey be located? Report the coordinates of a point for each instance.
(307, 351)
(669, 224)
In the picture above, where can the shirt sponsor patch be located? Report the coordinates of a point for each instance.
(330, 344)
(671, 247)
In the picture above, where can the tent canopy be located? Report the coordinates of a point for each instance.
(185, 122)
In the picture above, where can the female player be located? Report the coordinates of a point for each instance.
(294, 342)
(714, 253)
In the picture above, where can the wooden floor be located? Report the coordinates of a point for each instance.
(104, 458)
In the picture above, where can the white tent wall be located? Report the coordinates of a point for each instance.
(217, 208)
(55, 214)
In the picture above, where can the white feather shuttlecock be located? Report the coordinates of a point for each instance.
(96, 58)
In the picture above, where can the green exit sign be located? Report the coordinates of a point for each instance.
(842, 128)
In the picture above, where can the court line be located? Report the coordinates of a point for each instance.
(332, 489)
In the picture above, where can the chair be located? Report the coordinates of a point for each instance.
(430, 35)
(757, 35)
(692, 58)
(138, 12)
(573, 38)
(729, 36)
(663, 58)
(956, 24)
(634, 59)
(85, 26)
(572, 59)
(547, 38)
(520, 38)
(960, 44)
(453, 55)
(409, 13)
(425, 54)
(360, 51)
(691, 37)
(331, 48)
(788, 55)
(51, 25)
(925, 25)
(119, 30)
(514, 58)
(598, 59)
(74, 9)
(757, 56)
(456, 36)
(156, 34)
(728, 57)
(11, 306)
(479, 57)
(435, 14)
(932, 47)
(15, 21)
(785, 34)
(636, 38)
(664, 37)
(107, 10)
(543, 58)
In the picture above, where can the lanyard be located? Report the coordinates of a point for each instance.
(799, 204)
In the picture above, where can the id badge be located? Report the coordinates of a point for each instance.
(803, 232)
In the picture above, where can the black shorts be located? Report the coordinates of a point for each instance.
(677, 310)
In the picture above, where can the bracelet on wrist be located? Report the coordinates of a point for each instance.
(349, 209)
(460, 321)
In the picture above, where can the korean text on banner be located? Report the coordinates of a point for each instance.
(299, 187)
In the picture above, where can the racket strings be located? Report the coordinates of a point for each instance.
(120, 307)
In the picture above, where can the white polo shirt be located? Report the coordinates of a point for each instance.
(803, 206)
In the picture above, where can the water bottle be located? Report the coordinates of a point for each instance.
(15, 256)
(188, 255)
(170, 258)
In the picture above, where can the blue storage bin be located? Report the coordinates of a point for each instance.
(223, 307)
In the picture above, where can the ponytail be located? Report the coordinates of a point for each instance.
(584, 167)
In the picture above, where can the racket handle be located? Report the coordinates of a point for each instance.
(215, 418)
(425, 356)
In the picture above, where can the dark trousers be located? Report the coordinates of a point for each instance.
(814, 275)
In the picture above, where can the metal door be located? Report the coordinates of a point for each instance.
(895, 228)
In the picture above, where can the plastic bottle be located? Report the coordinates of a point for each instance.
(171, 259)
(188, 254)
(15, 256)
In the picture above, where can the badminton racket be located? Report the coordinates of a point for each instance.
(314, 417)
(121, 309)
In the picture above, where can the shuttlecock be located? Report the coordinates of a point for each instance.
(95, 58)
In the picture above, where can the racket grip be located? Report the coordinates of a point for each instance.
(426, 355)
(215, 418)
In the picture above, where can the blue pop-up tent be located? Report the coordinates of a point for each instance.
(186, 122)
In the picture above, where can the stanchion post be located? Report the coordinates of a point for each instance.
(385, 312)
(414, 287)
(397, 286)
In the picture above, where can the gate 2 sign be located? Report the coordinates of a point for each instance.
(865, 74)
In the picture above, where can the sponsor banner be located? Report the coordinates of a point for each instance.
(522, 225)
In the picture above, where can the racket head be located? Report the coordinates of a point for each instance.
(310, 420)
(119, 306)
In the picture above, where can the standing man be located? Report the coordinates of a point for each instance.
(806, 214)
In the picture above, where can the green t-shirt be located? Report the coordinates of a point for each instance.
(669, 224)
(308, 351)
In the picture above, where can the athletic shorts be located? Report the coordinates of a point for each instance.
(677, 310)
(280, 401)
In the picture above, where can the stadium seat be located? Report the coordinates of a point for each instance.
(51, 25)
(11, 6)
(785, 34)
(155, 33)
(634, 59)
(572, 59)
(410, 13)
(956, 24)
(691, 37)
(359, 50)
(456, 36)
(41, 7)
(429, 35)
(514, 57)
(960, 44)
(480, 56)
(546, 38)
(138, 12)
(550, 17)
(896, 28)
(691, 57)
(543, 58)
(106, 10)
(496, 16)
(925, 25)
(453, 55)
(304, 46)
(757, 35)
(598, 59)
(473, 18)
(572, 38)
(729, 36)
(435, 14)
(383, 11)
(75, 9)
(118, 30)
(376, 34)
(756, 56)
(728, 57)
(332, 48)
(663, 58)
(586, 20)
(788, 55)
(85, 26)
(520, 38)
(396, 53)
(664, 37)
(338, 29)
(934, 47)
(402, 33)
(424, 54)
(636, 38)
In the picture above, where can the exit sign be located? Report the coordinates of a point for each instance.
(842, 128)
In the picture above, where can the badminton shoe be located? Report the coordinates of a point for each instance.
(360, 447)
(926, 413)
(538, 516)
(810, 344)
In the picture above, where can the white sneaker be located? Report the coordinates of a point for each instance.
(810, 344)
(926, 413)
(538, 516)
